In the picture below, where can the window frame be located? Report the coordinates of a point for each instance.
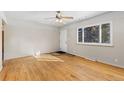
(100, 35)
(82, 35)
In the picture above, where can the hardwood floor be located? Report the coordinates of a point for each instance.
(72, 68)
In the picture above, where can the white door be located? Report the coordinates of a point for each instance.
(63, 40)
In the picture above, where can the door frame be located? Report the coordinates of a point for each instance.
(3, 29)
(63, 40)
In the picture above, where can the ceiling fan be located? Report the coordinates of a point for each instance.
(59, 17)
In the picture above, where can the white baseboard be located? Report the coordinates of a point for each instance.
(19, 56)
(13, 57)
(101, 61)
(82, 56)
(105, 62)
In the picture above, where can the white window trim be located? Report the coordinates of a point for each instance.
(100, 43)
(77, 35)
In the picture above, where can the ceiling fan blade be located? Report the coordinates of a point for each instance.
(67, 17)
(57, 11)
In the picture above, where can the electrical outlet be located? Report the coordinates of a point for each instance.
(116, 60)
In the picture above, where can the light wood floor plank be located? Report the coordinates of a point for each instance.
(73, 68)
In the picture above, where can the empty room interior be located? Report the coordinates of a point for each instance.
(61, 45)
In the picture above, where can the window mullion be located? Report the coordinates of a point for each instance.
(82, 35)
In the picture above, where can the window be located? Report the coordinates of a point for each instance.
(91, 34)
(99, 34)
(105, 33)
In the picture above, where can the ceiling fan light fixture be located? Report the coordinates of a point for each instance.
(57, 20)
(60, 20)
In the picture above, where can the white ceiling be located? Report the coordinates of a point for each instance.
(39, 16)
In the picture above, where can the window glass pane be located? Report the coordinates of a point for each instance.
(80, 34)
(105, 33)
(91, 34)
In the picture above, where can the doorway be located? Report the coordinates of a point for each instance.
(3, 28)
(63, 40)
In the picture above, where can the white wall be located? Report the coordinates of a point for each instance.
(0, 44)
(101, 53)
(24, 38)
(3, 17)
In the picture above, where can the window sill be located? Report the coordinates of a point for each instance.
(96, 44)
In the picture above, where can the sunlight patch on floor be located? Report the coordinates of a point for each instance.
(48, 57)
